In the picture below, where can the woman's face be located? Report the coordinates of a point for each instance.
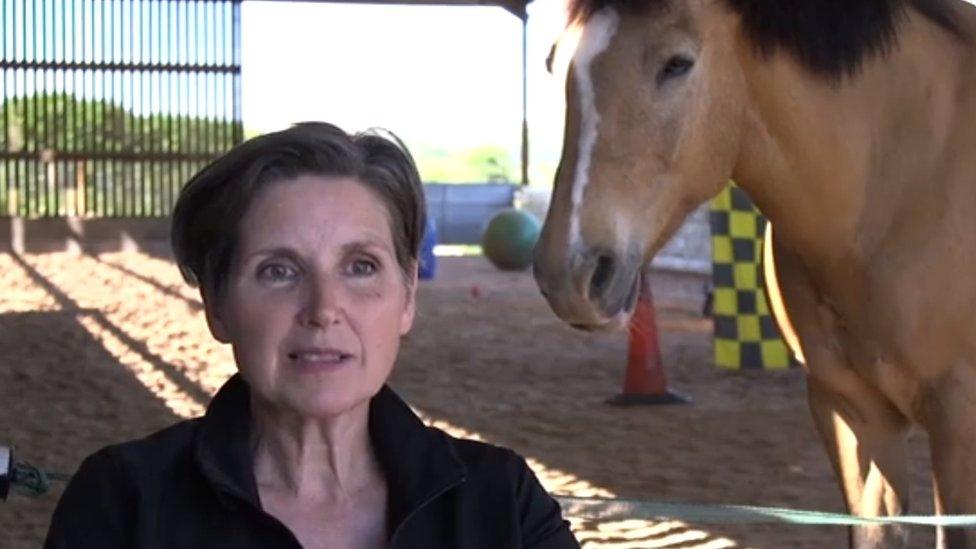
(316, 302)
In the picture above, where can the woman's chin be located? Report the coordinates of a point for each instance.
(323, 402)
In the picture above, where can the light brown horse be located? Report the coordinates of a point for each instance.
(852, 124)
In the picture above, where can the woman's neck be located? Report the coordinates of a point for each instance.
(322, 459)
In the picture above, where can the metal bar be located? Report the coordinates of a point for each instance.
(127, 102)
(118, 99)
(122, 156)
(129, 107)
(154, 121)
(108, 88)
(140, 122)
(148, 105)
(43, 97)
(8, 86)
(81, 130)
(35, 180)
(53, 128)
(525, 103)
(183, 99)
(6, 104)
(187, 111)
(40, 107)
(203, 80)
(102, 31)
(118, 102)
(108, 112)
(205, 68)
(65, 128)
(44, 139)
(199, 123)
(23, 205)
(193, 83)
(51, 203)
(92, 106)
(92, 188)
(50, 120)
(211, 79)
(14, 208)
(111, 111)
(221, 112)
(173, 99)
(84, 141)
(238, 126)
(152, 97)
(76, 132)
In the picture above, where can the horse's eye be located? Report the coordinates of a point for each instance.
(677, 65)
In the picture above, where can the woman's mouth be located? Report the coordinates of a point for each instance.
(319, 359)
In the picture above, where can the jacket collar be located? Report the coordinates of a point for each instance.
(420, 463)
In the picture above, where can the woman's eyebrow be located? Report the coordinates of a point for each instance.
(273, 251)
(365, 244)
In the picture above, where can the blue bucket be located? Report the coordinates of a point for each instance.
(428, 261)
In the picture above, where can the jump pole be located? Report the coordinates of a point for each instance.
(644, 379)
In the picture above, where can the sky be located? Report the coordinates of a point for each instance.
(448, 77)
(444, 77)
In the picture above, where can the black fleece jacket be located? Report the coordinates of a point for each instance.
(192, 485)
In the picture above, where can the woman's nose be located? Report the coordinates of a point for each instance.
(322, 307)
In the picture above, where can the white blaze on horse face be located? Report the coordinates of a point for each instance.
(596, 36)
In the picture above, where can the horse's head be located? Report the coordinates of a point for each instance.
(653, 111)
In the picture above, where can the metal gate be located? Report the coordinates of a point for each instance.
(108, 106)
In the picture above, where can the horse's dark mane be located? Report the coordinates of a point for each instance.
(831, 37)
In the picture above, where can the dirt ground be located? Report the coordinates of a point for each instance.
(100, 349)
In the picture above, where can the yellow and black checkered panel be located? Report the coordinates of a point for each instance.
(746, 336)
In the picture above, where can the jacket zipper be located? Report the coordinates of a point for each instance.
(423, 504)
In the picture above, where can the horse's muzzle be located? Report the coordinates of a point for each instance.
(593, 289)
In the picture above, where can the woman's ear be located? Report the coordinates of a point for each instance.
(215, 316)
(410, 304)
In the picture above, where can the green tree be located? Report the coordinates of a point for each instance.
(139, 162)
(487, 163)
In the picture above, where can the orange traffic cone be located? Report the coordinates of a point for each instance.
(644, 381)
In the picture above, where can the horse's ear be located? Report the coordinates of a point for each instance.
(551, 57)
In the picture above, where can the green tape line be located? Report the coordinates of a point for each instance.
(624, 509)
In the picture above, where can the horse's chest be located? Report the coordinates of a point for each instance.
(895, 345)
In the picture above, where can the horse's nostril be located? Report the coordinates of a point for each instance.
(602, 275)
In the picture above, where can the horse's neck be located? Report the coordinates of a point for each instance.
(837, 165)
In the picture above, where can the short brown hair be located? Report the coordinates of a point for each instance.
(208, 211)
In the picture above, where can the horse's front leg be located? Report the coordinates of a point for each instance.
(948, 413)
(865, 438)
(864, 435)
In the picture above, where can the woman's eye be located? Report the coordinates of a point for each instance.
(277, 272)
(362, 267)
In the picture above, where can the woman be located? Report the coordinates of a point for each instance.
(304, 244)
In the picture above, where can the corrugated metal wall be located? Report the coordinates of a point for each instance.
(109, 106)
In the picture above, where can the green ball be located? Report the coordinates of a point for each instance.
(509, 239)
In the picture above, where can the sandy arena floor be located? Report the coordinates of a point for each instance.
(95, 350)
